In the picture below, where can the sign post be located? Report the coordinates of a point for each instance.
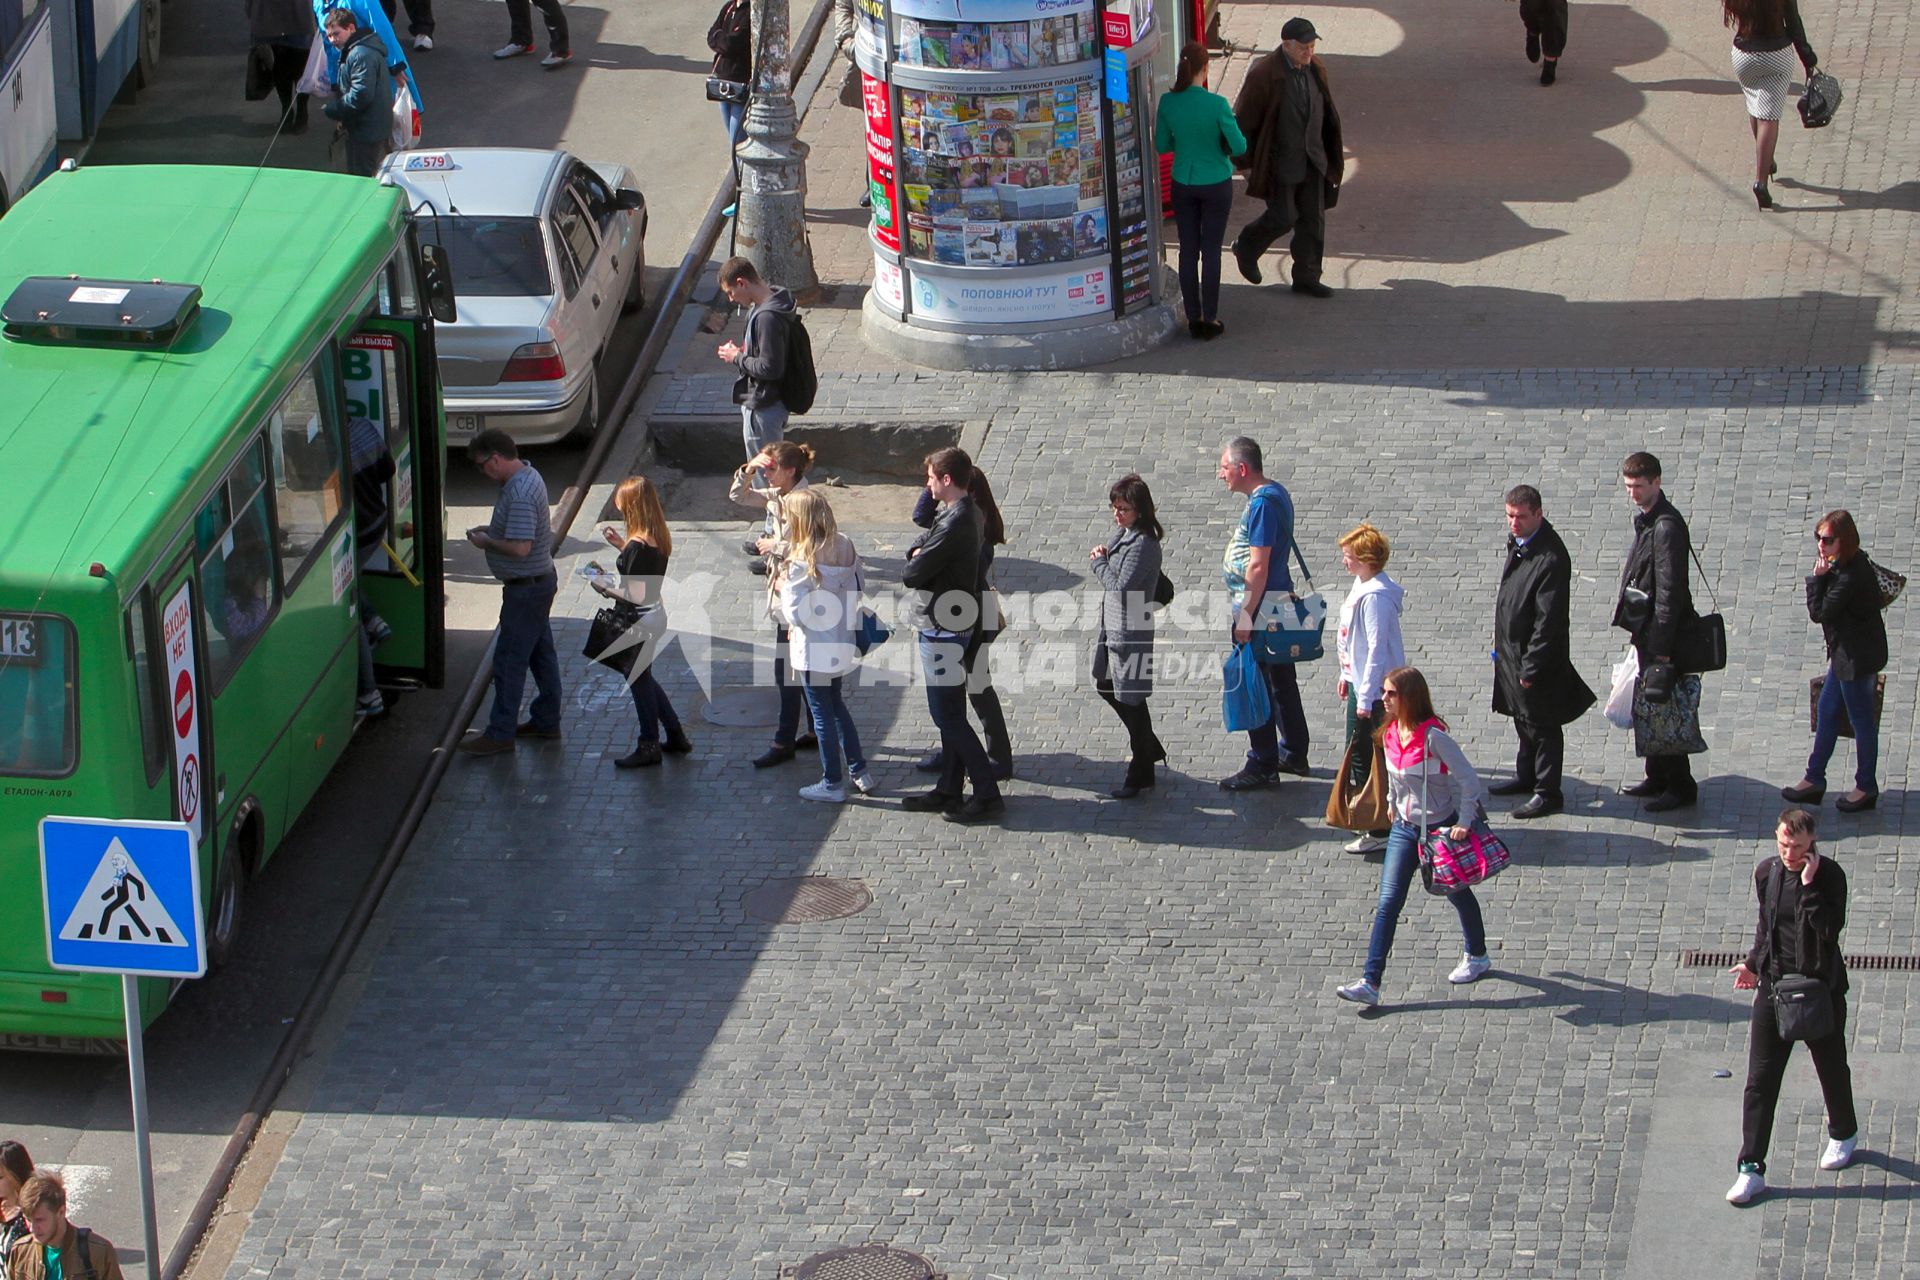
(123, 896)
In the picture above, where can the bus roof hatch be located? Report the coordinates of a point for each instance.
(70, 310)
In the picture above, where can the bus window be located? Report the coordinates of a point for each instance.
(237, 584)
(139, 649)
(306, 471)
(37, 712)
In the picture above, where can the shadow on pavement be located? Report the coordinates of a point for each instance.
(1594, 1002)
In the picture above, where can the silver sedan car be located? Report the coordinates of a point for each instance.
(546, 252)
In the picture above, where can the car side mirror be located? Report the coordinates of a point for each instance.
(628, 198)
(436, 282)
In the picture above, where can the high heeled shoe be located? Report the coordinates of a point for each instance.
(1801, 793)
(1762, 196)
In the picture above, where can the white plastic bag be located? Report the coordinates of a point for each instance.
(313, 80)
(1626, 673)
(406, 120)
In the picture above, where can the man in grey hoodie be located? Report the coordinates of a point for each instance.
(364, 108)
(761, 354)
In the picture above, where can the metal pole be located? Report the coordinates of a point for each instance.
(142, 1149)
(771, 228)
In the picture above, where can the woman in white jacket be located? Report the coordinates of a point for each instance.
(1369, 647)
(819, 602)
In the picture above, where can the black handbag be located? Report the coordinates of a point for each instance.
(1802, 1008)
(1820, 101)
(730, 91)
(259, 72)
(1700, 646)
(607, 638)
(1162, 591)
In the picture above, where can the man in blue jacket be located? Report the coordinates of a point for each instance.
(365, 105)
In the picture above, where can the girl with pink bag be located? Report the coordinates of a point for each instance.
(1415, 742)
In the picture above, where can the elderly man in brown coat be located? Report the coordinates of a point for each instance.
(1286, 111)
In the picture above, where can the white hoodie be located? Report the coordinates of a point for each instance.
(1370, 636)
(821, 616)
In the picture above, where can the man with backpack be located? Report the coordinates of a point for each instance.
(57, 1247)
(774, 356)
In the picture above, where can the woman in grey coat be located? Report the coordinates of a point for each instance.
(1129, 567)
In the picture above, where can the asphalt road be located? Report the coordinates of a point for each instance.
(635, 82)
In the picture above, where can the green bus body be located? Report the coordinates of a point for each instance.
(215, 465)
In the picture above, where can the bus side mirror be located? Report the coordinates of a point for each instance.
(436, 282)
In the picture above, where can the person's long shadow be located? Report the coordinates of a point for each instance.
(1902, 197)
(1891, 1165)
(1596, 1002)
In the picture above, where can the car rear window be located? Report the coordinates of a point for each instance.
(493, 257)
(36, 695)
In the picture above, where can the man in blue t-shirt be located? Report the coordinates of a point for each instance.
(518, 543)
(1255, 571)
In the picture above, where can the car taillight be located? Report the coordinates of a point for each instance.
(535, 362)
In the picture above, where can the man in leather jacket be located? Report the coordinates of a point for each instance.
(1655, 602)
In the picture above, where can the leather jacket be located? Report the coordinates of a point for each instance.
(1655, 598)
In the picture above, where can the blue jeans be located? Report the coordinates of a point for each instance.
(1857, 697)
(733, 117)
(788, 727)
(943, 660)
(1396, 873)
(832, 725)
(1288, 729)
(525, 644)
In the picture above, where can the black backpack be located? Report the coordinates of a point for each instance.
(799, 384)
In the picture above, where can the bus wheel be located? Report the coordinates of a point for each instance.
(149, 54)
(223, 916)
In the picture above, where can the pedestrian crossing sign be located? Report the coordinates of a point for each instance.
(122, 896)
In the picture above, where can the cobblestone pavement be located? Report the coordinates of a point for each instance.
(1101, 1039)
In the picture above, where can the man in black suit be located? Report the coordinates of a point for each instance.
(1655, 602)
(1534, 679)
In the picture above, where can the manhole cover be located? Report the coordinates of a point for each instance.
(808, 900)
(867, 1262)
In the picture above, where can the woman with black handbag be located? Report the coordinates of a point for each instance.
(644, 551)
(1128, 569)
(1796, 964)
(1843, 596)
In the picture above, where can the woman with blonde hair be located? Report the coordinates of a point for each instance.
(1427, 775)
(818, 598)
(644, 548)
(1369, 647)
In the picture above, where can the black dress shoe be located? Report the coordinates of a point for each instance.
(930, 762)
(1132, 787)
(1548, 70)
(1846, 804)
(1211, 329)
(1669, 802)
(1159, 752)
(931, 802)
(1645, 787)
(757, 566)
(1298, 768)
(773, 755)
(976, 810)
(1803, 795)
(1538, 807)
(1512, 787)
(1195, 329)
(1249, 264)
(529, 729)
(1313, 288)
(806, 742)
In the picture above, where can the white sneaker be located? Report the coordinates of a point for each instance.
(1839, 1152)
(553, 60)
(423, 43)
(1364, 843)
(864, 781)
(825, 792)
(1470, 969)
(1748, 1185)
(512, 50)
(1361, 992)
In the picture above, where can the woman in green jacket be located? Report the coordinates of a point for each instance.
(1198, 127)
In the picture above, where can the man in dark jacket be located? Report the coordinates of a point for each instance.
(1655, 602)
(946, 574)
(1534, 679)
(365, 105)
(760, 355)
(1294, 156)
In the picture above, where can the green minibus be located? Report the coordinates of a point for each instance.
(187, 353)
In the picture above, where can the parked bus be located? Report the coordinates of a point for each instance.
(28, 120)
(185, 352)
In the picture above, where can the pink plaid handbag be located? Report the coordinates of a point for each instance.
(1446, 865)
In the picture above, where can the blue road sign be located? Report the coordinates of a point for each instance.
(122, 896)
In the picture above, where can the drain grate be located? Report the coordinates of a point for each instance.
(807, 900)
(1866, 963)
(865, 1262)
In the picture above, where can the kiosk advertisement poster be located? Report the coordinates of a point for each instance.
(881, 180)
(1064, 295)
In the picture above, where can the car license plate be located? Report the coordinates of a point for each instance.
(462, 425)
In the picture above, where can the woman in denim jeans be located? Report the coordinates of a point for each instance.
(1427, 775)
(819, 599)
(1843, 596)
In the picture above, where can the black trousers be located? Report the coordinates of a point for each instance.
(1201, 214)
(1142, 741)
(1548, 20)
(1301, 208)
(1767, 1057)
(419, 17)
(1542, 753)
(520, 19)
